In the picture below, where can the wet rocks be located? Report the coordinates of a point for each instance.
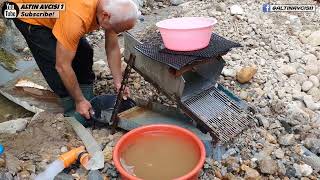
(2, 163)
(302, 170)
(110, 171)
(279, 153)
(268, 166)
(252, 174)
(263, 121)
(24, 175)
(229, 153)
(6, 175)
(29, 166)
(297, 115)
(14, 126)
(176, 2)
(108, 154)
(80, 172)
(313, 144)
(63, 176)
(95, 175)
(261, 156)
(12, 163)
(270, 138)
(282, 168)
(308, 157)
(287, 139)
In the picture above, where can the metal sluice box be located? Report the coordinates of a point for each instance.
(218, 112)
(191, 81)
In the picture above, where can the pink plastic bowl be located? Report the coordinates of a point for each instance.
(187, 33)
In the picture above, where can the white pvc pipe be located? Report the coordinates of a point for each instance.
(52, 170)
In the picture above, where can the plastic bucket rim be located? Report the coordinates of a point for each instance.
(190, 174)
(214, 21)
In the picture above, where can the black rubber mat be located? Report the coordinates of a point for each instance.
(178, 59)
(217, 46)
(172, 60)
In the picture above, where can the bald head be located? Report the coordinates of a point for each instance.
(117, 13)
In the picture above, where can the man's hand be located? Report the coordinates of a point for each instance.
(126, 92)
(84, 107)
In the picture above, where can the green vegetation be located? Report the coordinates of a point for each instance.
(7, 60)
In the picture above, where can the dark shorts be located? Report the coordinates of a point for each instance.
(42, 44)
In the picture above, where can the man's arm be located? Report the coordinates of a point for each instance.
(114, 57)
(64, 59)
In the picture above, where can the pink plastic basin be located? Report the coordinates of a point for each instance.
(186, 33)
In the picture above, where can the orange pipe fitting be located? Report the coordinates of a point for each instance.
(71, 156)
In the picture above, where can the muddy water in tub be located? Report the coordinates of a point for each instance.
(159, 156)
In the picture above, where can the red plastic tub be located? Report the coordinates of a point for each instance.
(128, 138)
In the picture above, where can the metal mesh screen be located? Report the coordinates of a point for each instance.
(219, 113)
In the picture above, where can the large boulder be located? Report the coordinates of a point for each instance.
(14, 126)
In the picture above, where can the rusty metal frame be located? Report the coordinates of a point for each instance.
(207, 70)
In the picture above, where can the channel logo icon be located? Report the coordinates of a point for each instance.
(266, 8)
(10, 10)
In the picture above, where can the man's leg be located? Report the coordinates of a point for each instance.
(82, 65)
(83, 61)
(42, 44)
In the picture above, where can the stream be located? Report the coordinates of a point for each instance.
(10, 110)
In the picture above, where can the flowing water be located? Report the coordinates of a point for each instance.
(160, 156)
(8, 108)
(52, 170)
